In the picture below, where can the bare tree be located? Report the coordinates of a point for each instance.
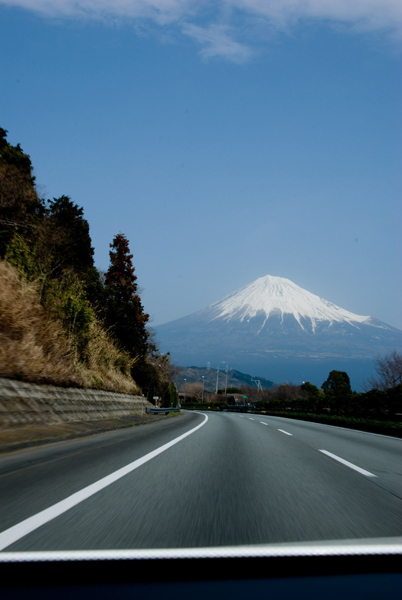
(193, 390)
(173, 372)
(389, 369)
(253, 395)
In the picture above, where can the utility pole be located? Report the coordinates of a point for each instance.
(226, 384)
(203, 388)
(217, 380)
(258, 382)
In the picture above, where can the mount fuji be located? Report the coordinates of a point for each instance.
(276, 329)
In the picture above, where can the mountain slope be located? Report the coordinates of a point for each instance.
(234, 378)
(276, 295)
(276, 329)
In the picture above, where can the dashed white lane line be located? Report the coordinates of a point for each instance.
(11, 535)
(349, 464)
(341, 460)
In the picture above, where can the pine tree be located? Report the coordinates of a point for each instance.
(125, 313)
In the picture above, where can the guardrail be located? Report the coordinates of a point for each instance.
(162, 411)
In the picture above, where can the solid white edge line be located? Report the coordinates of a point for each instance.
(348, 464)
(16, 532)
(287, 433)
(326, 548)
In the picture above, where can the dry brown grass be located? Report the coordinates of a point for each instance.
(108, 366)
(34, 347)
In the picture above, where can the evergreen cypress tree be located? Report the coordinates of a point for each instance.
(125, 313)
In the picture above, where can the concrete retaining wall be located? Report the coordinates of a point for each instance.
(24, 403)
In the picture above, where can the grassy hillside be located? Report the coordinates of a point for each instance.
(62, 320)
(34, 346)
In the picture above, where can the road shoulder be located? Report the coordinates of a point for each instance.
(17, 438)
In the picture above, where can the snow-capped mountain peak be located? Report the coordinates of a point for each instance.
(280, 296)
(278, 330)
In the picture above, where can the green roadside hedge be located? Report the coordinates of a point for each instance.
(393, 428)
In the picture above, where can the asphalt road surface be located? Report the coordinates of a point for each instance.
(202, 479)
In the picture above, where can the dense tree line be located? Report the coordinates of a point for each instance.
(48, 241)
(335, 397)
(383, 401)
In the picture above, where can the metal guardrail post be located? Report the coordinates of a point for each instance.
(162, 411)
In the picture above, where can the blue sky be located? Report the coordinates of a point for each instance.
(228, 140)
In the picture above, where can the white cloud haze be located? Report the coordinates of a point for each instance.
(217, 41)
(213, 24)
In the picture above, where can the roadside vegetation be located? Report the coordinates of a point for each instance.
(378, 409)
(61, 320)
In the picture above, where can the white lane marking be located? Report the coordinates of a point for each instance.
(263, 423)
(11, 535)
(251, 419)
(287, 433)
(348, 464)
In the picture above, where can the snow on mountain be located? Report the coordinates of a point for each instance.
(276, 329)
(277, 295)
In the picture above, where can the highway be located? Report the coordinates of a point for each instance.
(202, 479)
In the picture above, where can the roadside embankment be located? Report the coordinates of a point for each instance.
(32, 414)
